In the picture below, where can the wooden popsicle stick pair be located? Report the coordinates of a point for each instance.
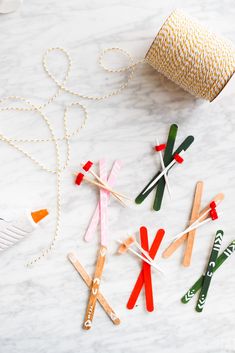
(88, 280)
(196, 214)
(103, 205)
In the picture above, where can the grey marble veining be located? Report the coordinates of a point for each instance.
(42, 309)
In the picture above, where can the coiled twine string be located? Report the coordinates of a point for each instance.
(183, 50)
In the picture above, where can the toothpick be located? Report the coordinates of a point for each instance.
(90, 181)
(162, 173)
(107, 186)
(163, 167)
(152, 263)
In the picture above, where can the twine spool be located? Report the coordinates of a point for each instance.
(188, 54)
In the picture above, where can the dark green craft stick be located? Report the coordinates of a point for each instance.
(198, 284)
(167, 159)
(162, 183)
(209, 270)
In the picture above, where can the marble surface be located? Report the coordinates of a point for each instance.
(42, 308)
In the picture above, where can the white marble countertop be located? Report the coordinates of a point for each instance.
(42, 308)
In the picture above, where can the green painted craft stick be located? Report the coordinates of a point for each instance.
(198, 284)
(209, 270)
(167, 159)
(161, 184)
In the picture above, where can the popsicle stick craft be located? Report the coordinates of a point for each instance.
(170, 158)
(203, 283)
(15, 230)
(88, 280)
(145, 278)
(102, 184)
(198, 218)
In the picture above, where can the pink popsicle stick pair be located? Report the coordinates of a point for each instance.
(101, 208)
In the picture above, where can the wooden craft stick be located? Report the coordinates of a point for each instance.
(198, 284)
(140, 280)
(209, 271)
(95, 288)
(147, 271)
(88, 280)
(194, 215)
(96, 216)
(163, 167)
(103, 206)
(175, 244)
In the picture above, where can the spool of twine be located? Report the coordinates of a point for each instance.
(197, 60)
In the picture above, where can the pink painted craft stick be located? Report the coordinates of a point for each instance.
(103, 205)
(96, 216)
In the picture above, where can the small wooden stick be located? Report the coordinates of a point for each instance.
(194, 215)
(95, 288)
(88, 280)
(175, 244)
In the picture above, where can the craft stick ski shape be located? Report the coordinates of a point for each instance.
(168, 158)
(145, 273)
(102, 252)
(209, 270)
(96, 216)
(88, 280)
(95, 288)
(204, 216)
(12, 231)
(198, 284)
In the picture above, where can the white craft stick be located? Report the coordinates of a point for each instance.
(163, 172)
(103, 206)
(163, 167)
(96, 216)
(151, 263)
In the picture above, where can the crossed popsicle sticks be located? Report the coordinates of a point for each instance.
(158, 182)
(198, 218)
(88, 280)
(145, 277)
(215, 261)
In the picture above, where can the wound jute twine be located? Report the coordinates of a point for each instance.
(184, 51)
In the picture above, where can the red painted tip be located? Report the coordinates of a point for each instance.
(178, 158)
(87, 166)
(213, 205)
(79, 178)
(160, 147)
(214, 214)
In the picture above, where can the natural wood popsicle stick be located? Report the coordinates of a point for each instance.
(95, 288)
(88, 280)
(175, 244)
(194, 215)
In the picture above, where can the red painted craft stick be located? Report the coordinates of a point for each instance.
(140, 281)
(147, 271)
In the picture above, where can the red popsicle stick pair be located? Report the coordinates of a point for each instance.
(145, 277)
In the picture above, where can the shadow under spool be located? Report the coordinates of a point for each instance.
(188, 54)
